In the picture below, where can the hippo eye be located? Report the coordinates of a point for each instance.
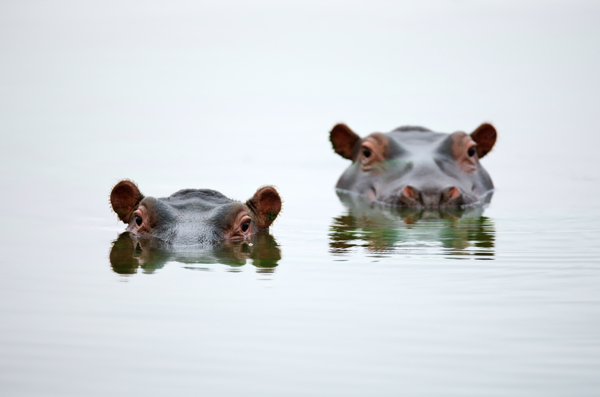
(138, 220)
(245, 226)
(471, 152)
(366, 151)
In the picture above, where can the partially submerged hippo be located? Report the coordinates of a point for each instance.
(415, 167)
(194, 216)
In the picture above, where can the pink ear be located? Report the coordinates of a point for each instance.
(125, 198)
(265, 205)
(485, 137)
(343, 140)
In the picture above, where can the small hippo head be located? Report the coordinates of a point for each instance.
(194, 216)
(415, 167)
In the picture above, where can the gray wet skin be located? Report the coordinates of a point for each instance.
(194, 216)
(415, 167)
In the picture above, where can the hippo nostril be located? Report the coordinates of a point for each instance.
(454, 192)
(451, 196)
(409, 192)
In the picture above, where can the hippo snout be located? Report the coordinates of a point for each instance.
(410, 196)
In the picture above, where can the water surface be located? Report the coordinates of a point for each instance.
(337, 298)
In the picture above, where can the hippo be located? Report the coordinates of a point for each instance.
(194, 216)
(415, 167)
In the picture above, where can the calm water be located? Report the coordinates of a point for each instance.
(338, 298)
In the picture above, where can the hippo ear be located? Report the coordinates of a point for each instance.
(485, 137)
(343, 140)
(265, 205)
(125, 198)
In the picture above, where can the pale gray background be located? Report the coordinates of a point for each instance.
(234, 95)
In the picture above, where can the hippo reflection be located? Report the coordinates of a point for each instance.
(382, 231)
(194, 216)
(130, 252)
(415, 167)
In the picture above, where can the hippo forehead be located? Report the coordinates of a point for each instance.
(199, 205)
(403, 143)
(197, 200)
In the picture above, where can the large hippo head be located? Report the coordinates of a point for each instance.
(194, 216)
(415, 167)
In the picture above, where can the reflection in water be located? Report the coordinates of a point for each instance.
(385, 231)
(129, 252)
